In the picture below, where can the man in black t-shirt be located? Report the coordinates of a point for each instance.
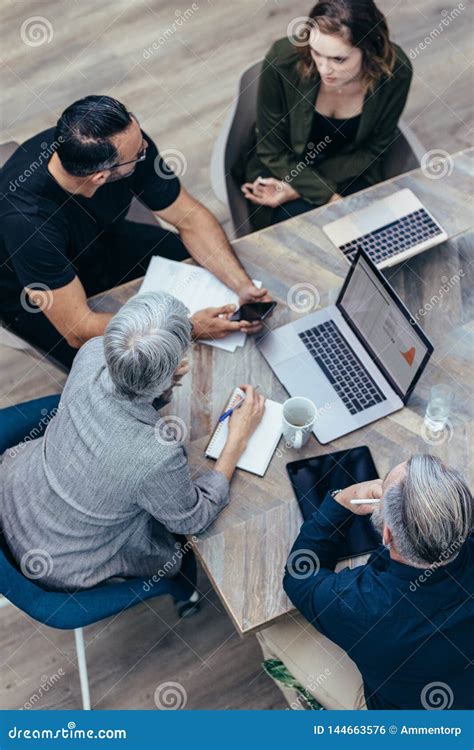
(64, 196)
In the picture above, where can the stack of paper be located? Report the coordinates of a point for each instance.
(197, 288)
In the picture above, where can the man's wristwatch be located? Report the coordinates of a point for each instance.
(333, 493)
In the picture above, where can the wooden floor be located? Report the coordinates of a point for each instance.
(180, 92)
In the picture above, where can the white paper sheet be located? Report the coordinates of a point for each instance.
(197, 288)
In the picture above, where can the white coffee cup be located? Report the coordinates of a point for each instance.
(299, 416)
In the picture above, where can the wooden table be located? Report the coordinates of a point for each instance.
(245, 549)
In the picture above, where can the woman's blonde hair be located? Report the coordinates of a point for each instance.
(361, 24)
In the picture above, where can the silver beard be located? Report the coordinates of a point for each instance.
(377, 519)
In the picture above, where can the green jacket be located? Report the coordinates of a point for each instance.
(285, 109)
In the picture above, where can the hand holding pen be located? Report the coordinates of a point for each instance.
(361, 498)
(230, 411)
(245, 415)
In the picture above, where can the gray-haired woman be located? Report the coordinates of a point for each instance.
(104, 491)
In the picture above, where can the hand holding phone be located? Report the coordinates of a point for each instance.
(253, 312)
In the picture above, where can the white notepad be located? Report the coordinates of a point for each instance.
(262, 444)
(197, 288)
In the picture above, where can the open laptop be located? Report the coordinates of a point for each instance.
(358, 360)
(389, 230)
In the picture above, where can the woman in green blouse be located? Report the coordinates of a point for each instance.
(328, 107)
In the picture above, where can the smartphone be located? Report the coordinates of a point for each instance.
(254, 311)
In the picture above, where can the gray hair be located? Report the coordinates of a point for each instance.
(429, 512)
(144, 343)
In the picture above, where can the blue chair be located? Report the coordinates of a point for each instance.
(75, 610)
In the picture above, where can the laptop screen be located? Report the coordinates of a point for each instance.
(381, 321)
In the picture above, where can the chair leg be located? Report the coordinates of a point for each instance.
(82, 664)
(190, 607)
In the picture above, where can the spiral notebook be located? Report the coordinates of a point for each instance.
(262, 444)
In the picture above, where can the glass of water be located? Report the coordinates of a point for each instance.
(439, 405)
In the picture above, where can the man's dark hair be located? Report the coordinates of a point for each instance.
(84, 132)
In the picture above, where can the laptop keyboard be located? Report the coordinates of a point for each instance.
(395, 237)
(342, 367)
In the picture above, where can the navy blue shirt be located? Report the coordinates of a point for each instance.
(49, 236)
(404, 627)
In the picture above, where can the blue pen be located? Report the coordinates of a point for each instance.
(230, 411)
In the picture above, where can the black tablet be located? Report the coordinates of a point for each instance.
(313, 478)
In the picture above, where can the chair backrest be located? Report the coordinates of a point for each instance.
(228, 146)
(6, 150)
(404, 153)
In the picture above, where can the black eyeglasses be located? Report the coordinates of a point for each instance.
(141, 157)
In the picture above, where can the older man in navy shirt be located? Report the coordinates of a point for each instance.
(395, 633)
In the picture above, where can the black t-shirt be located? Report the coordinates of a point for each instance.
(49, 236)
